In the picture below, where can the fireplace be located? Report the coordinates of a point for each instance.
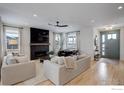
(39, 43)
(41, 55)
(39, 52)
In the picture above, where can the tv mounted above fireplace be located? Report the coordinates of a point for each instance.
(39, 35)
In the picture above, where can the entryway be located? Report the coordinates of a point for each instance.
(110, 44)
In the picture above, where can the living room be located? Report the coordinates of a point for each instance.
(52, 40)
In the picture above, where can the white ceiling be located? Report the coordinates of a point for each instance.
(76, 15)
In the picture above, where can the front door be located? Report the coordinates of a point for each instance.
(110, 44)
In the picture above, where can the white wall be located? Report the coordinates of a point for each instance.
(51, 41)
(26, 41)
(86, 41)
(0, 43)
(122, 43)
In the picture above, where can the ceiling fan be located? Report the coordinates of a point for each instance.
(58, 24)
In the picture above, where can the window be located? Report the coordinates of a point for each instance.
(112, 36)
(103, 49)
(71, 40)
(103, 53)
(12, 39)
(103, 38)
(57, 41)
(109, 36)
(103, 45)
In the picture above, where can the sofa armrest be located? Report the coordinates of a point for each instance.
(52, 71)
(11, 74)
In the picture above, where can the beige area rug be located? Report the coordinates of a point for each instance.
(39, 76)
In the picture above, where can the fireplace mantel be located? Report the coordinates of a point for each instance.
(37, 44)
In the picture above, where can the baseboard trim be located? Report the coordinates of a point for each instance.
(122, 60)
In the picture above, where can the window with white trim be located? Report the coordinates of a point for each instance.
(12, 38)
(71, 40)
(57, 44)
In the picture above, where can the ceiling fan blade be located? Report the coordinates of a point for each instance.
(50, 24)
(62, 25)
(57, 24)
(65, 25)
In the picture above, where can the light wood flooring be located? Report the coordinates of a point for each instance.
(103, 72)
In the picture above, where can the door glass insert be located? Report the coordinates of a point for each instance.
(103, 38)
(103, 45)
(103, 48)
(114, 36)
(103, 53)
(109, 36)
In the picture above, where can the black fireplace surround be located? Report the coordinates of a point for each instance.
(39, 44)
(39, 52)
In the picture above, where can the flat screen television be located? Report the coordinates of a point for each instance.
(39, 35)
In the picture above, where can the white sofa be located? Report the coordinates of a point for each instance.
(60, 75)
(15, 73)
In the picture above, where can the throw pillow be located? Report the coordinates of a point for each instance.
(75, 57)
(60, 60)
(54, 59)
(11, 60)
(9, 55)
(69, 62)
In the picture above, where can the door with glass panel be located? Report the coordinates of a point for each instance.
(110, 44)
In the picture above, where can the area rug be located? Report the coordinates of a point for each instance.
(39, 75)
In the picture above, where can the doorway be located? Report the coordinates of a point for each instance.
(110, 44)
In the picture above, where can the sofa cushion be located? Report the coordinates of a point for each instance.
(81, 56)
(11, 60)
(75, 57)
(22, 59)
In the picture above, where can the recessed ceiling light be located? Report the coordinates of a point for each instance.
(35, 15)
(92, 21)
(120, 7)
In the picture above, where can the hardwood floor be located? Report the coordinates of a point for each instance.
(103, 72)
